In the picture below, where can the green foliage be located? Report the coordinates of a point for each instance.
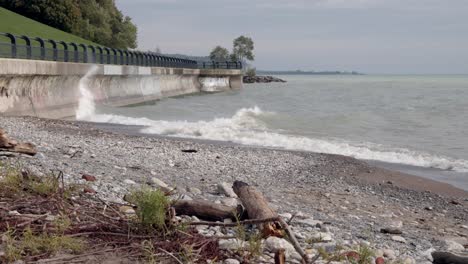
(251, 72)
(97, 20)
(152, 207)
(219, 54)
(19, 25)
(38, 244)
(243, 48)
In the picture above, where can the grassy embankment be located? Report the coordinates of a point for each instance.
(16, 24)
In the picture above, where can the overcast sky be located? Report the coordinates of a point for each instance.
(371, 36)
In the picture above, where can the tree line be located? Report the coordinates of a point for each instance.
(96, 20)
(242, 50)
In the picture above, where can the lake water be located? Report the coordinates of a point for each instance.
(416, 121)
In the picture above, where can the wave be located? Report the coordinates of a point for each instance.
(248, 127)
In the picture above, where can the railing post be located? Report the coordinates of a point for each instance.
(85, 53)
(65, 51)
(42, 44)
(108, 57)
(28, 46)
(101, 55)
(12, 43)
(115, 56)
(54, 47)
(76, 57)
(93, 53)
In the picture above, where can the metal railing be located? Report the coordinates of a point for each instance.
(51, 50)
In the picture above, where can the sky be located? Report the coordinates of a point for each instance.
(369, 36)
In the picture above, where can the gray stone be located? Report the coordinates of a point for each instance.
(388, 253)
(231, 261)
(158, 183)
(129, 182)
(399, 239)
(226, 189)
(232, 244)
(453, 246)
(229, 202)
(272, 244)
(194, 190)
(309, 222)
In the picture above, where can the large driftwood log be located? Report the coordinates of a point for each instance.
(448, 258)
(206, 210)
(257, 208)
(10, 145)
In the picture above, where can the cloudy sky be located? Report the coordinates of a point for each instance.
(371, 36)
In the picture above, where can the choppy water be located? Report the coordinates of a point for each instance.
(412, 120)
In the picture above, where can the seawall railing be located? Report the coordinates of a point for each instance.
(35, 48)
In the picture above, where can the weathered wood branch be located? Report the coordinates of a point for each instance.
(10, 145)
(448, 258)
(206, 210)
(257, 208)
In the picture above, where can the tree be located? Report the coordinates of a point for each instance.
(243, 49)
(96, 20)
(219, 54)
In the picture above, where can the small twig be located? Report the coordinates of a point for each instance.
(292, 217)
(246, 222)
(172, 255)
(110, 234)
(294, 241)
(31, 221)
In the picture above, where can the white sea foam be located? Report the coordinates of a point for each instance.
(86, 106)
(246, 127)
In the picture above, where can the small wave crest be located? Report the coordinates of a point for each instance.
(247, 127)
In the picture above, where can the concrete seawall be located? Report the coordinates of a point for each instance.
(51, 89)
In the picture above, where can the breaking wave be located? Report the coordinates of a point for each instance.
(248, 127)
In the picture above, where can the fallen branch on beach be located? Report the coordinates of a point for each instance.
(11, 145)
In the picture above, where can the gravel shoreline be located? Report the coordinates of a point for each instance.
(351, 199)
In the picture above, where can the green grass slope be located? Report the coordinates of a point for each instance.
(13, 23)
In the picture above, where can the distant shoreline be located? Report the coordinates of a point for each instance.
(308, 73)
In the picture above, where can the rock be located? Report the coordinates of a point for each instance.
(158, 183)
(453, 246)
(391, 230)
(230, 202)
(322, 237)
(130, 182)
(194, 190)
(379, 260)
(231, 244)
(88, 177)
(428, 208)
(310, 222)
(388, 253)
(273, 244)
(13, 213)
(286, 216)
(409, 260)
(352, 256)
(127, 210)
(89, 190)
(399, 239)
(226, 189)
(231, 261)
(261, 79)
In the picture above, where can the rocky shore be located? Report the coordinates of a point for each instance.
(332, 202)
(262, 79)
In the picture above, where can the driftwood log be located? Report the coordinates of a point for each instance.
(448, 258)
(11, 145)
(206, 210)
(257, 208)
